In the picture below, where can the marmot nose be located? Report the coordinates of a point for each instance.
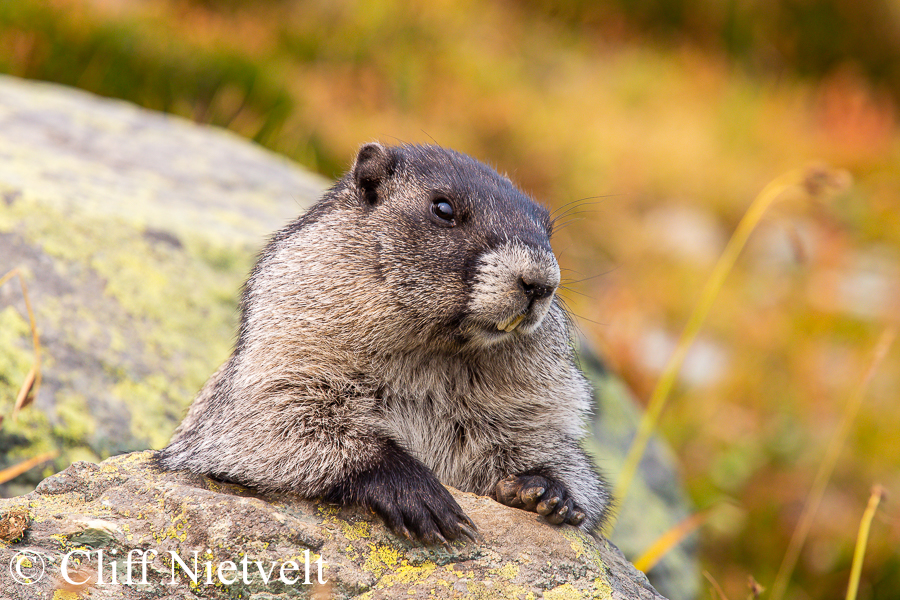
(535, 290)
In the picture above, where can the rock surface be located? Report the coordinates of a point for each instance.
(127, 506)
(135, 231)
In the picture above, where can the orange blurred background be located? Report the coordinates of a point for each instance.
(655, 124)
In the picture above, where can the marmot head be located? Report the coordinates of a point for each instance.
(461, 253)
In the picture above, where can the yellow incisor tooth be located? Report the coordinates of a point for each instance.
(508, 326)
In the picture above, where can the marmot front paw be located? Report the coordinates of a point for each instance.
(423, 511)
(543, 495)
(407, 496)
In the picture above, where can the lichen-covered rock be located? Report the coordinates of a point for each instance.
(124, 522)
(135, 231)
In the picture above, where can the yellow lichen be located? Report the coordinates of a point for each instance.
(350, 530)
(575, 540)
(601, 585)
(508, 571)
(151, 294)
(351, 552)
(381, 557)
(355, 531)
(408, 574)
(566, 591)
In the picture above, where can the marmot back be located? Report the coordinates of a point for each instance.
(404, 333)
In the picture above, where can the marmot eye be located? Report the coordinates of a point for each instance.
(442, 209)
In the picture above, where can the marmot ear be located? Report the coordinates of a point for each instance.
(374, 163)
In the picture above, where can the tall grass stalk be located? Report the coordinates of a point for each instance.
(29, 389)
(773, 191)
(826, 467)
(715, 586)
(862, 540)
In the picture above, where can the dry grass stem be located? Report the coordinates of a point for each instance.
(25, 397)
(670, 539)
(16, 470)
(29, 389)
(826, 467)
(862, 540)
(802, 181)
(715, 585)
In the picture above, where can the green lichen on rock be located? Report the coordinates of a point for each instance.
(143, 325)
(134, 232)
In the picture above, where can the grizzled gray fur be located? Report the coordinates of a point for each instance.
(402, 334)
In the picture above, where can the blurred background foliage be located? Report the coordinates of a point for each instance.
(660, 121)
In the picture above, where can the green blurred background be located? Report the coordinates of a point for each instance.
(661, 121)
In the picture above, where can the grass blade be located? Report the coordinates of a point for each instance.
(715, 585)
(670, 539)
(29, 389)
(862, 540)
(24, 396)
(826, 467)
(809, 182)
(16, 470)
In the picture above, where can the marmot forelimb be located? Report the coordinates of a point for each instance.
(401, 334)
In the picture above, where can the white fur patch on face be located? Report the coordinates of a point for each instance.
(499, 301)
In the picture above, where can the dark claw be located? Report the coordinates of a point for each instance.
(577, 518)
(437, 538)
(469, 532)
(563, 512)
(402, 531)
(558, 517)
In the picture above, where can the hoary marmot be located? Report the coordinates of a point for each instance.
(402, 334)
